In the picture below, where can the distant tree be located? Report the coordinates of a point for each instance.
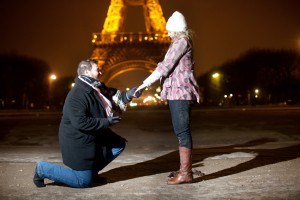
(61, 87)
(276, 73)
(23, 81)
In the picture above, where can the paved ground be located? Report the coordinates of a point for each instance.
(245, 154)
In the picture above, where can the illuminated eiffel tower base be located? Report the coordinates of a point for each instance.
(118, 52)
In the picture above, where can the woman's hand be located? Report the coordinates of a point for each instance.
(139, 91)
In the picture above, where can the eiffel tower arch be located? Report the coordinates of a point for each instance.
(118, 52)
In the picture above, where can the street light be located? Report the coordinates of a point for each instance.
(216, 75)
(52, 77)
(256, 91)
(216, 79)
(215, 85)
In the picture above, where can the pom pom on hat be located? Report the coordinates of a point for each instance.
(176, 23)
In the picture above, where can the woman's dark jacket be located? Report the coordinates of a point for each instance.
(84, 129)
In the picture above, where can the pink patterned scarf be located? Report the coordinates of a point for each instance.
(106, 103)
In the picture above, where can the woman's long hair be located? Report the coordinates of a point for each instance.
(188, 33)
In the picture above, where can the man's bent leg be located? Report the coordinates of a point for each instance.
(57, 173)
(112, 151)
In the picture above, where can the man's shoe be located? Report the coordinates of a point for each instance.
(39, 182)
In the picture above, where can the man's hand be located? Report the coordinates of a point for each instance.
(130, 93)
(114, 120)
(138, 92)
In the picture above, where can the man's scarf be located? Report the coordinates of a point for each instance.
(95, 85)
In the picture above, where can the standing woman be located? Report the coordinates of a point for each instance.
(180, 89)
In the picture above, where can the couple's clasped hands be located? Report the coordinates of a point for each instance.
(135, 92)
(139, 90)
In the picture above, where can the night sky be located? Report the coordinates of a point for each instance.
(60, 31)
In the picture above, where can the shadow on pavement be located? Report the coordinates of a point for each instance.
(170, 161)
(264, 157)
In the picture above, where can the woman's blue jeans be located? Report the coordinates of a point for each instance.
(73, 178)
(180, 113)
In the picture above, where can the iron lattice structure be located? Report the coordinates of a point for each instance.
(118, 51)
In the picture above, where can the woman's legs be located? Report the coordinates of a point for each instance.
(180, 112)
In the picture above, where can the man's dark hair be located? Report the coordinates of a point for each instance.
(85, 65)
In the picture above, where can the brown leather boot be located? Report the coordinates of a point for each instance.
(185, 173)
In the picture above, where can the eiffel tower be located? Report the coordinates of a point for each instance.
(118, 52)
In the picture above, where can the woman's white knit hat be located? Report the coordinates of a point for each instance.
(176, 23)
